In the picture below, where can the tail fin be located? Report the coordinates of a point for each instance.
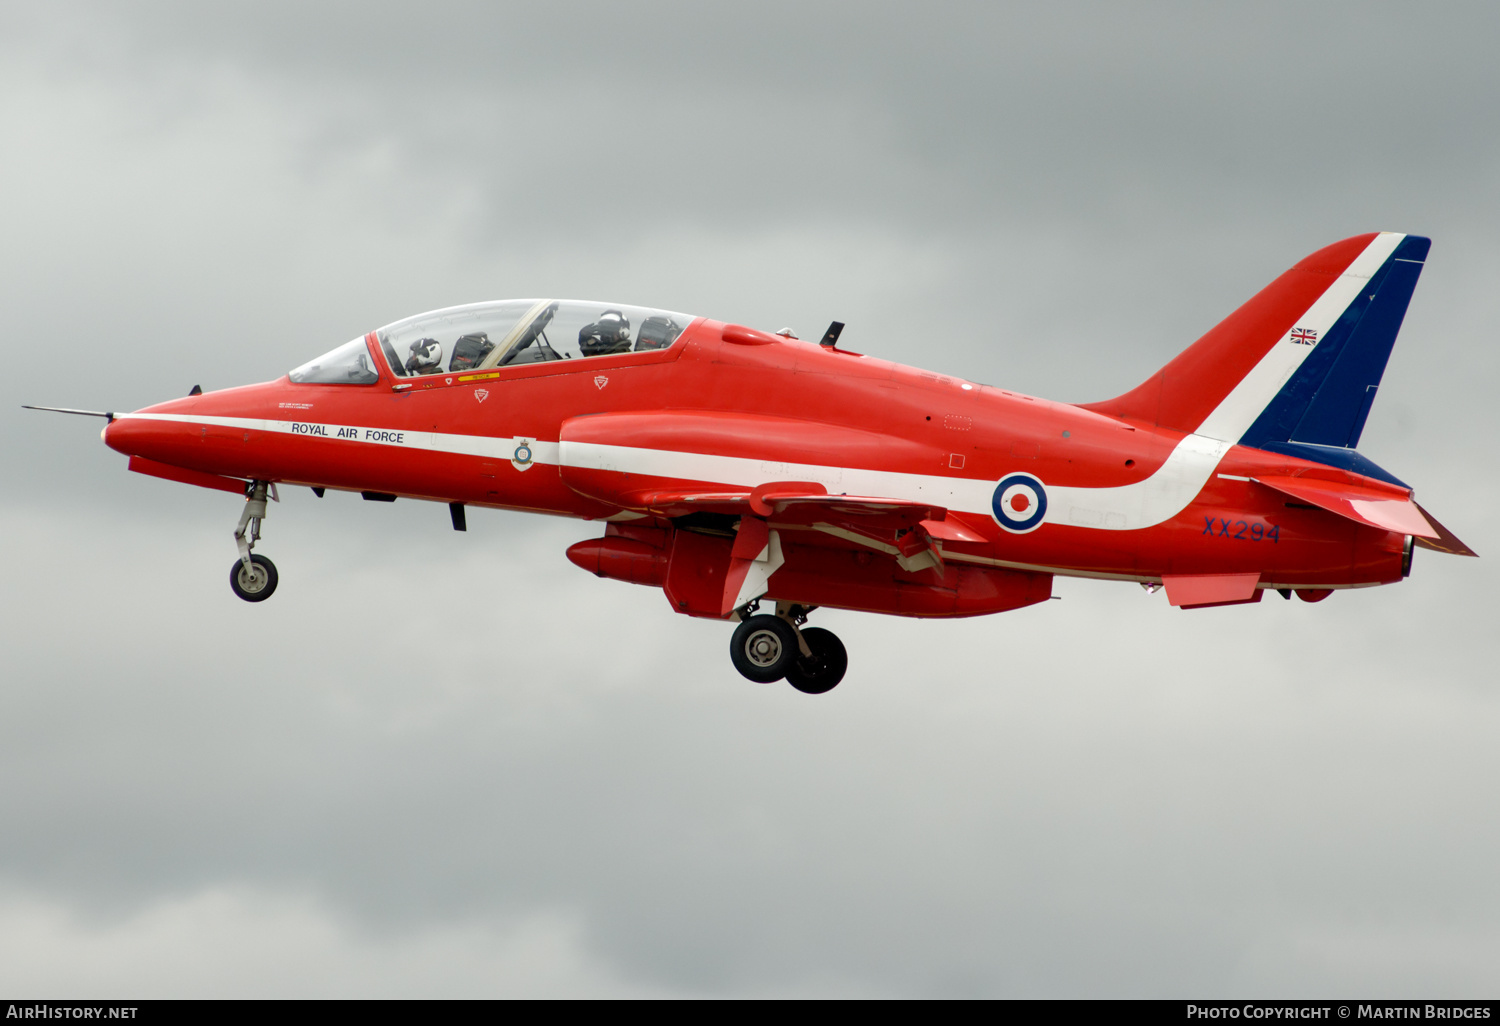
(1296, 368)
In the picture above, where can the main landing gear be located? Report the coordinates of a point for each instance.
(767, 648)
(253, 577)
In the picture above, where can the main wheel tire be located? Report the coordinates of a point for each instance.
(826, 667)
(256, 582)
(763, 648)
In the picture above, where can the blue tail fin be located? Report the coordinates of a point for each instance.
(1322, 407)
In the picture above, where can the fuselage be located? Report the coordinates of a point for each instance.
(724, 407)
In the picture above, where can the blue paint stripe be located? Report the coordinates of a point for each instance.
(1336, 415)
(1326, 401)
(1335, 456)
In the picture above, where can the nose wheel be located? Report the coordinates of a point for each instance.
(767, 648)
(255, 581)
(253, 578)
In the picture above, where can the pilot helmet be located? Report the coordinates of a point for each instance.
(609, 334)
(426, 355)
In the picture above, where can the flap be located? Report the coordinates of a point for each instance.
(678, 503)
(794, 502)
(867, 510)
(953, 531)
(1373, 507)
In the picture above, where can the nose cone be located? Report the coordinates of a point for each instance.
(141, 434)
(208, 431)
(124, 435)
(170, 432)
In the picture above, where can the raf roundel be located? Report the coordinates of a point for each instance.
(1020, 503)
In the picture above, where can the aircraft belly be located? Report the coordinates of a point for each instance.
(830, 576)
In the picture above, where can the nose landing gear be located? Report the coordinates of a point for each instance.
(253, 578)
(767, 648)
(254, 581)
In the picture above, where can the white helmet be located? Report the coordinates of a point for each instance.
(426, 356)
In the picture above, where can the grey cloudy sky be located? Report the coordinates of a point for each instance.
(453, 764)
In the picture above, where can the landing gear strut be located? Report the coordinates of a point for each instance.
(253, 578)
(766, 648)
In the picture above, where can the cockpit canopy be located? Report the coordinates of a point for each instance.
(508, 333)
(349, 364)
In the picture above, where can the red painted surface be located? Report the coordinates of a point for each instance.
(184, 476)
(777, 407)
(1217, 361)
(1211, 589)
(624, 559)
(1375, 504)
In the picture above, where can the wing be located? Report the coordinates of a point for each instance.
(797, 503)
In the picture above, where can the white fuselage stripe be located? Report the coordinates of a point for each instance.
(430, 441)
(1160, 497)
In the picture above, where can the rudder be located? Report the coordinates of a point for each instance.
(1329, 398)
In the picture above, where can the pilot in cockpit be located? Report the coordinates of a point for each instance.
(609, 334)
(426, 357)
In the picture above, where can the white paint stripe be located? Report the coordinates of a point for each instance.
(950, 492)
(1128, 507)
(1155, 500)
(1141, 504)
(430, 441)
(1239, 409)
(758, 574)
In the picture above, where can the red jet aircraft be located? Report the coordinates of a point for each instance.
(732, 467)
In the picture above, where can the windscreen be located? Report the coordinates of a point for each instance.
(349, 364)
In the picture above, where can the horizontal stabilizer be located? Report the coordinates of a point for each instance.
(1386, 511)
(1446, 541)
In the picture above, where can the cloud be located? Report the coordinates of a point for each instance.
(1085, 798)
(452, 764)
(239, 942)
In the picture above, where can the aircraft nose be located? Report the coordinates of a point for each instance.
(139, 434)
(133, 437)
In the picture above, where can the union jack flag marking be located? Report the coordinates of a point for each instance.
(1303, 337)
